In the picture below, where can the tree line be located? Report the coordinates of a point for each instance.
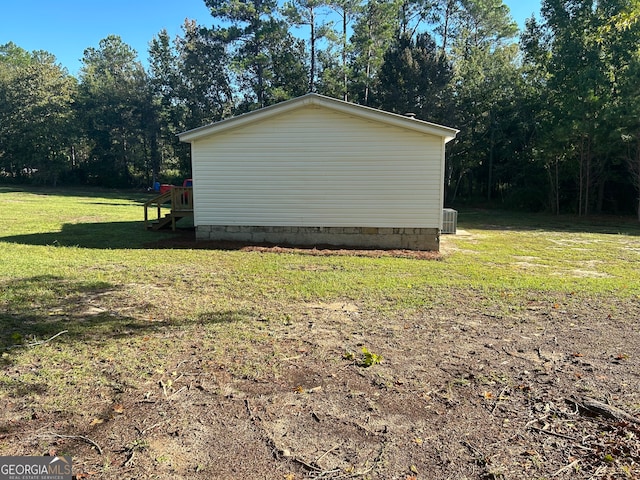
(549, 117)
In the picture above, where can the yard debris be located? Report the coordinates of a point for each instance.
(573, 464)
(18, 337)
(75, 437)
(596, 407)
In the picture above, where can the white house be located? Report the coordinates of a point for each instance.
(315, 170)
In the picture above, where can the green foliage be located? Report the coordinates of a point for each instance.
(36, 115)
(582, 54)
(16, 338)
(374, 30)
(306, 13)
(112, 103)
(369, 358)
(414, 78)
(256, 39)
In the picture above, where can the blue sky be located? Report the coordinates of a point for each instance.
(67, 27)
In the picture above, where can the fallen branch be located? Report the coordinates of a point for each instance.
(604, 410)
(504, 390)
(555, 434)
(177, 391)
(567, 467)
(325, 454)
(521, 357)
(334, 474)
(130, 459)
(308, 466)
(479, 457)
(35, 344)
(78, 437)
(251, 416)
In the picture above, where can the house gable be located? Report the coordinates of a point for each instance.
(360, 111)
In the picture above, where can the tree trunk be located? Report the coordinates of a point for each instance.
(557, 188)
(491, 143)
(448, 12)
(602, 183)
(260, 93)
(368, 68)
(155, 158)
(312, 68)
(344, 55)
(553, 188)
(588, 178)
(581, 177)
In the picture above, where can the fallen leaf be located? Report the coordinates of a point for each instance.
(118, 408)
(98, 421)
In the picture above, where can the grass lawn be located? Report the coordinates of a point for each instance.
(148, 335)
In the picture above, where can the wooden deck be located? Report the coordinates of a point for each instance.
(178, 199)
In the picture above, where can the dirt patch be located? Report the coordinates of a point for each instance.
(581, 273)
(461, 392)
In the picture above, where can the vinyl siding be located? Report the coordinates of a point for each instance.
(317, 167)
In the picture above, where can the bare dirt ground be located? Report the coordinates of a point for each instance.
(463, 391)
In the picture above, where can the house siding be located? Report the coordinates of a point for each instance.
(315, 167)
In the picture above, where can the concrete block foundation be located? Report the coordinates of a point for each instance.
(354, 237)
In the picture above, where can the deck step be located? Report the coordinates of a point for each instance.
(161, 223)
(167, 220)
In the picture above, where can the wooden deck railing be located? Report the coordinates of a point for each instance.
(182, 199)
(179, 200)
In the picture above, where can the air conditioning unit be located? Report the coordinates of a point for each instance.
(449, 220)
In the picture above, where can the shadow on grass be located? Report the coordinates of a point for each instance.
(132, 235)
(517, 221)
(88, 192)
(62, 349)
(109, 235)
(52, 311)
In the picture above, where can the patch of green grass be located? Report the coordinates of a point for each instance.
(77, 262)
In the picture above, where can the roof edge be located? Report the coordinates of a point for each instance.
(362, 111)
